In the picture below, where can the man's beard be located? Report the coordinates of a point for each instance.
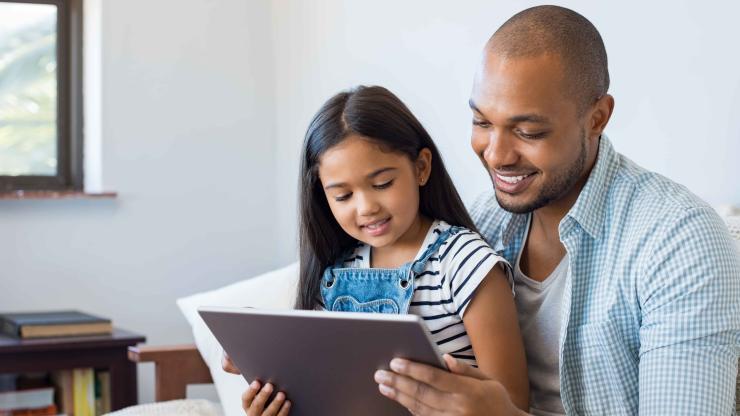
(556, 189)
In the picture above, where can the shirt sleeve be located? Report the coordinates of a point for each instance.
(465, 259)
(690, 331)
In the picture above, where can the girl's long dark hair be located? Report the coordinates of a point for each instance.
(378, 115)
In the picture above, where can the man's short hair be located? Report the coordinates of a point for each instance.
(565, 33)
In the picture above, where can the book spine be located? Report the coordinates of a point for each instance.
(102, 393)
(65, 391)
(84, 392)
(9, 328)
(98, 394)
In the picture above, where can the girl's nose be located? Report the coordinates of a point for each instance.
(366, 205)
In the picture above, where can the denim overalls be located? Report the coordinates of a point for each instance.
(352, 289)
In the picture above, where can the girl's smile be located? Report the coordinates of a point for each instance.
(377, 228)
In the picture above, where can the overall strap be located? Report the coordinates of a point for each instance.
(420, 264)
(339, 262)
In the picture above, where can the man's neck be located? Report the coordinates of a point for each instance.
(543, 250)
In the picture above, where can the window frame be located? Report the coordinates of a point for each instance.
(69, 105)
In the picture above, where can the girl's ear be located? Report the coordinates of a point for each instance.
(423, 166)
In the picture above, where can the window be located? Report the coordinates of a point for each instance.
(40, 95)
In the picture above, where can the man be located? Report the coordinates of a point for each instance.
(627, 286)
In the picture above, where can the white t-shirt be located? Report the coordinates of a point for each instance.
(444, 290)
(539, 305)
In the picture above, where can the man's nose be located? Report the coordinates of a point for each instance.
(500, 149)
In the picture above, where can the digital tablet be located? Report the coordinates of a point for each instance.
(323, 361)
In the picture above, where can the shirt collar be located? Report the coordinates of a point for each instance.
(590, 207)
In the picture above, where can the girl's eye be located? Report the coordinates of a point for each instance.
(532, 136)
(340, 198)
(383, 185)
(481, 123)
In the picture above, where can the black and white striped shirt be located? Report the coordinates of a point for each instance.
(444, 290)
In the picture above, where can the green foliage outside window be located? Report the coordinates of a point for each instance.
(28, 89)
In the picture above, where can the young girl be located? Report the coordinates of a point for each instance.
(383, 229)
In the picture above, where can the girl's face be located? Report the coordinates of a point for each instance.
(374, 195)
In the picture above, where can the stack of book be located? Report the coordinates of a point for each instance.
(53, 324)
(76, 392)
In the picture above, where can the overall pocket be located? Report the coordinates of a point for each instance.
(348, 303)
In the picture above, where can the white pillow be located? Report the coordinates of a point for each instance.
(733, 224)
(274, 290)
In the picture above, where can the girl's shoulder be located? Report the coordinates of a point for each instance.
(455, 231)
(464, 260)
(455, 243)
(459, 244)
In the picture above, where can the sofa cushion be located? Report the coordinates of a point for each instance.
(189, 407)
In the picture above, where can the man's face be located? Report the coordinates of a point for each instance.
(528, 133)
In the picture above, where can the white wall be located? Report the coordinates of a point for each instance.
(188, 140)
(205, 103)
(674, 69)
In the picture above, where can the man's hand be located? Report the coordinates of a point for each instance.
(425, 390)
(228, 365)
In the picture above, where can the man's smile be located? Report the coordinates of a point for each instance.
(512, 184)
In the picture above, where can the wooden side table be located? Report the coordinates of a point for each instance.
(103, 352)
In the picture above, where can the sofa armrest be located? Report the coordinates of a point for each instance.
(175, 367)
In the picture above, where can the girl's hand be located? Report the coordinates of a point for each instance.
(228, 365)
(254, 401)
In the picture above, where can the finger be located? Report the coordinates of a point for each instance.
(285, 409)
(275, 406)
(421, 392)
(415, 406)
(228, 365)
(249, 394)
(458, 367)
(258, 404)
(434, 377)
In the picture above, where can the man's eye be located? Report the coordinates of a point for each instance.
(532, 136)
(343, 197)
(481, 123)
(383, 185)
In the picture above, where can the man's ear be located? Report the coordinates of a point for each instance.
(600, 115)
(423, 165)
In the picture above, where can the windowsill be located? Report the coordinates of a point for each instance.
(57, 195)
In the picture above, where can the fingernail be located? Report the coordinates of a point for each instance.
(267, 388)
(382, 376)
(385, 390)
(398, 365)
(280, 396)
(255, 385)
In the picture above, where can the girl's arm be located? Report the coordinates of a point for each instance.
(493, 327)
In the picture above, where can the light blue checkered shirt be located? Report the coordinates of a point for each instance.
(651, 310)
